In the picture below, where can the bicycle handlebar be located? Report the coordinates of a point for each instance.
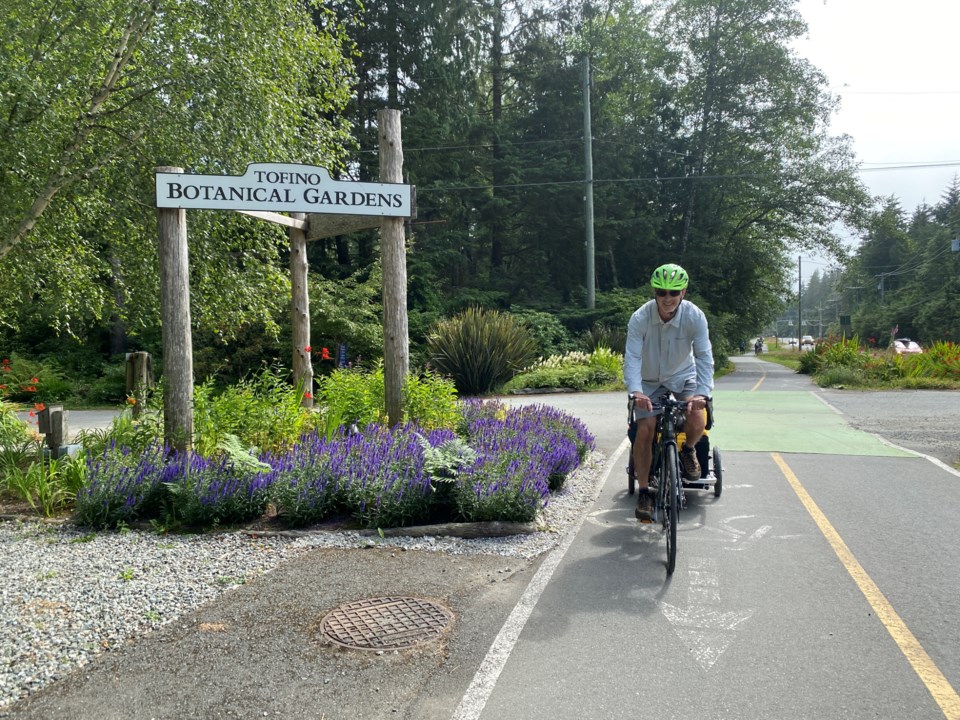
(669, 402)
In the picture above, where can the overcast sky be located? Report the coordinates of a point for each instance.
(894, 64)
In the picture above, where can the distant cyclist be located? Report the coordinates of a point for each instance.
(668, 349)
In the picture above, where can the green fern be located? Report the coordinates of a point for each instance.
(243, 459)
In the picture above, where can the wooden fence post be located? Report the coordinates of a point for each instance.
(175, 316)
(396, 350)
(139, 371)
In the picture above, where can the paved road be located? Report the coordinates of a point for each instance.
(763, 617)
(817, 585)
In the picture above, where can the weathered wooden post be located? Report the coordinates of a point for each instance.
(396, 351)
(52, 423)
(139, 369)
(175, 316)
(300, 311)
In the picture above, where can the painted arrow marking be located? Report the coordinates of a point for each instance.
(732, 535)
(706, 630)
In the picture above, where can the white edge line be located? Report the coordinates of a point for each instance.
(936, 461)
(476, 696)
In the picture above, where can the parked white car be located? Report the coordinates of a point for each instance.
(906, 346)
(806, 342)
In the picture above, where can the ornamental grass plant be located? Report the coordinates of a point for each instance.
(480, 349)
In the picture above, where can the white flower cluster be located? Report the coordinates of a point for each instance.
(555, 362)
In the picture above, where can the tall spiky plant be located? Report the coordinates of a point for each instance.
(480, 349)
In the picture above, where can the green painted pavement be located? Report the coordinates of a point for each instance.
(788, 422)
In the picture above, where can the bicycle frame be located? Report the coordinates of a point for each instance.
(665, 463)
(664, 443)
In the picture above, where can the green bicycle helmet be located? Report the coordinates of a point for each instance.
(669, 277)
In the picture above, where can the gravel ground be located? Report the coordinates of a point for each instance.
(68, 595)
(926, 421)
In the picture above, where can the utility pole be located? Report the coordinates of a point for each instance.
(588, 183)
(799, 302)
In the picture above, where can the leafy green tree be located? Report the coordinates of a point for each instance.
(762, 175)
(93, 96)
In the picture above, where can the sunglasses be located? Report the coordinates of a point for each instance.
(664, 293)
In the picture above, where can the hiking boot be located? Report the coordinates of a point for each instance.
(689, 464)
(644, 511)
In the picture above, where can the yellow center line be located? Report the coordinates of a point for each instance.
(939, 687)
(763, 376)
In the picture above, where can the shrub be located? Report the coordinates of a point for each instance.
(940, 360)
(136, 436)
(262, 412)
(13, 431)
(885, 368)
(502, 468)
(202, 492)
(576, 370)
(377, 475)
(430, 401)
(305, 486)
(549, 334)
(122, 486)
(604, 358)
(352, 396)
(557, 441)
(841, 377)
(480, 349)
(809, 362)
(602, 335)
(841, 353)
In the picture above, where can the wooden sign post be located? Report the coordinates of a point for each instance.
(319, 207)
(175, 318)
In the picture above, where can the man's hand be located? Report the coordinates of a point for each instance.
(697, 402)
(641, 401)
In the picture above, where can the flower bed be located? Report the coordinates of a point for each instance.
(500, 464)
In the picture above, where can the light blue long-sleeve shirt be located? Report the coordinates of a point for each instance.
(668, 353)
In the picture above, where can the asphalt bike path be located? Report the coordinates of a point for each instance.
(820, 584)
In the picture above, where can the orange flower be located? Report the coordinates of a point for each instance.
(325, 354)
(131, 401)
(39, 406)
(34, 380)
(30, 388)
(308, 395)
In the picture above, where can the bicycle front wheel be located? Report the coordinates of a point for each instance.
(671, 485)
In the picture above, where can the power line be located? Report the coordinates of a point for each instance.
(655, 178)
(912, 166)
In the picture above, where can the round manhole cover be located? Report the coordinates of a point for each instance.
(385, 623)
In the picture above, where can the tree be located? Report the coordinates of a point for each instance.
(93, 96)
(761, 174)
